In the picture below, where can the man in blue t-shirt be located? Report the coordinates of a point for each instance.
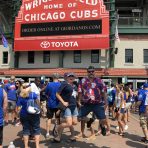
(10, 89)
(52, 101)
(143, 111)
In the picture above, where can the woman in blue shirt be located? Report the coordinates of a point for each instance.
(30, 122)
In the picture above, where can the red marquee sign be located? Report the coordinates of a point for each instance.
(61, 25)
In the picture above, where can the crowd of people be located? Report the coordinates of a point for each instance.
(67, 103)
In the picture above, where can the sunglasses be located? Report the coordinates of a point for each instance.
(16, 83)
(91, 71)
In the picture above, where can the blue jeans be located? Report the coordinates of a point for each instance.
(97, 109)
(31, 124)
(71, 111)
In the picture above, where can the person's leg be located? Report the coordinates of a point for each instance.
(99, 111)
(6, 116)
(124, 121)
(1, 136)
(144, 125)
(26, 137)
(108, 126)
(50, 113)
(44, 109)
(13, 112)
(74, 112)
(113, 112)
(37, 140)
(7, 113)
(120, 123)
(62, 126)
(26, 129)
(13, 116)
(84, 111)
(35, 124)
(145, 132)
(48, 125)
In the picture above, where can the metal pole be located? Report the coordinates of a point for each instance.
(112, 32)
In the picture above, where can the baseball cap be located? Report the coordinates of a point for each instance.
(70, 74)
(145, 85)
(91, 68)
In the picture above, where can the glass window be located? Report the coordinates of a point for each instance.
(46, 57)
(5, 57)
(95, 56)
(30, 57)
(77, 56)
(128, 55)
(145, 53)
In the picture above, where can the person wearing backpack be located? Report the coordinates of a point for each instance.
(3, 107)
(28, 108)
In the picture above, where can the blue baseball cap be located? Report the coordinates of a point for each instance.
(145, 85)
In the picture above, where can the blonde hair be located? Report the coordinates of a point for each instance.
(25, 90)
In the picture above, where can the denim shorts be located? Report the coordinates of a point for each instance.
(71, 111)
(97, 109)
(31, 124)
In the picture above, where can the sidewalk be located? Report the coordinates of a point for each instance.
(133, 134)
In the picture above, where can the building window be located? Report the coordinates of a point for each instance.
(128, 55)
(77, 56)
(46, 57)
(30, 57)
(95, 56)
(145, 55)
(5, 57)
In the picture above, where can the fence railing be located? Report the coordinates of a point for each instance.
(133, 21)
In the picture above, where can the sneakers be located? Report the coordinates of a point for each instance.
(47, 135)
(126, 127)
(91, 120)
(18, 124)
(143, 139)
(117, 127)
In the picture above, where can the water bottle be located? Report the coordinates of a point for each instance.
(11, 145)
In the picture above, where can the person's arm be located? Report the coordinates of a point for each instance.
(79, 99)
(103, 89)
(122, 100)
(5, 102)
(104, 94)
(61, 99)
(44, 88)
(140, 98)
(37, 100)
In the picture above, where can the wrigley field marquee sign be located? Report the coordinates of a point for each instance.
(61, 25)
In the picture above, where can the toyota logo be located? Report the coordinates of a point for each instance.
(45, 44)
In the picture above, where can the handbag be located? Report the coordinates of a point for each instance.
(32, 107)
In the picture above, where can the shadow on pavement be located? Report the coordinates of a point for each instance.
(134, 141)
(135, 144)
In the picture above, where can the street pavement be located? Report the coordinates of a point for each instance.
(130, 140)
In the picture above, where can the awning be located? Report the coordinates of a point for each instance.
(117, 72)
